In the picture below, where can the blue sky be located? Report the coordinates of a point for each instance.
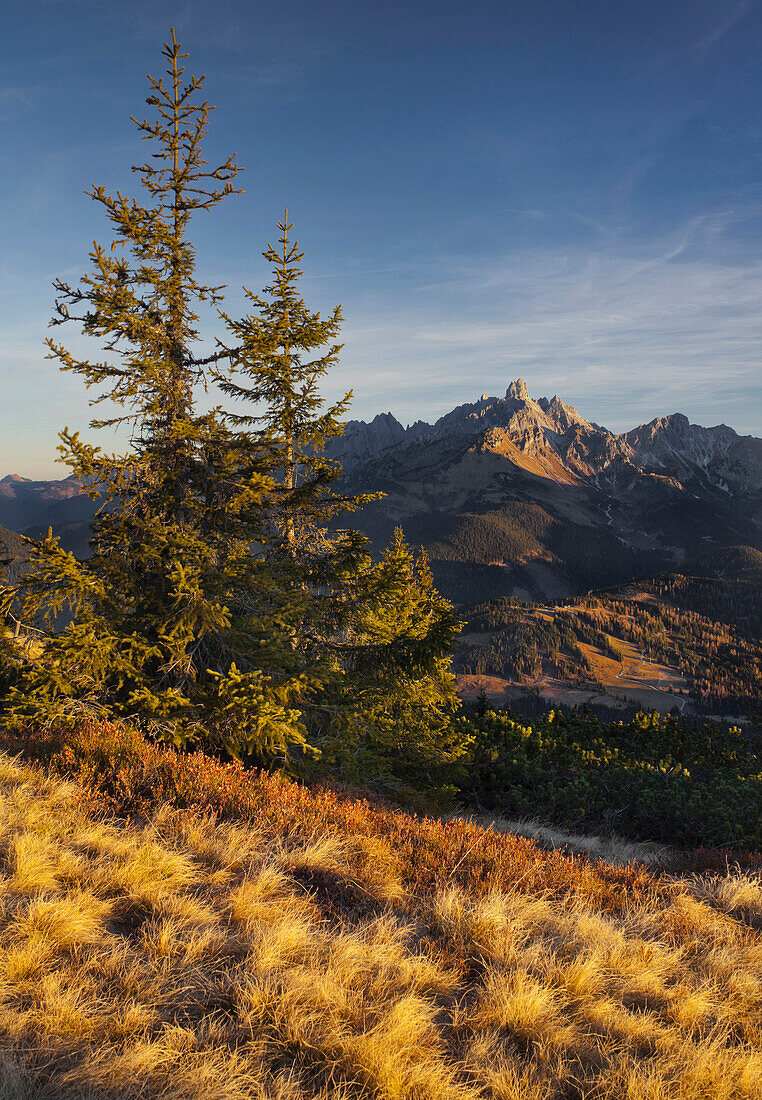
(567, 192)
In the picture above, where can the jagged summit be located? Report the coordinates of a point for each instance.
(551, 439)
(516, 411)
(360, 440)
(518, 390)
(516, 420)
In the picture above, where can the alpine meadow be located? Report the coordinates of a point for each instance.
(354, 761)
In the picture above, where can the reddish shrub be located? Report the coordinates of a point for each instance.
(130, 777)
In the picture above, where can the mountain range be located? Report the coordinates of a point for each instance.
(551, 439)
(514, 495)
(519, 496)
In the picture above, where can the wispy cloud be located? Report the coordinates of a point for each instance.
(626, 333)
(15, 102)
(696, 49)
(544, 215)
(696, 52)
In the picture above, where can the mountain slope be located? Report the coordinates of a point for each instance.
(13, 553)
(312, 948)
(519, 496)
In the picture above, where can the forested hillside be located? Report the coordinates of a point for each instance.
(642, 644)
(13, 554)
(724, 585)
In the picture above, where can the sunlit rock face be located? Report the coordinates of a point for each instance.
(634, 503)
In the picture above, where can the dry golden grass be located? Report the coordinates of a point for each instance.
(188, 958)
(615, 850)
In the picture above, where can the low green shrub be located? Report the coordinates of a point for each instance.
(650, 778)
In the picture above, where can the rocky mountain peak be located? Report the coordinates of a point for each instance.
(517, 390)
(361, 440)
(674, 435)
(547, 434)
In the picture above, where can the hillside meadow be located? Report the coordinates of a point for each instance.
(177, 927)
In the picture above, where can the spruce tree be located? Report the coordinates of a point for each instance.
(156, 616)
(222, 604)
(378, 631)
(267, 368)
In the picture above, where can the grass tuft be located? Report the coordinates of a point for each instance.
(276, 942)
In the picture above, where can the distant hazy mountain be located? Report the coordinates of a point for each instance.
(24, 502)
(32, 507)
(516, 496)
